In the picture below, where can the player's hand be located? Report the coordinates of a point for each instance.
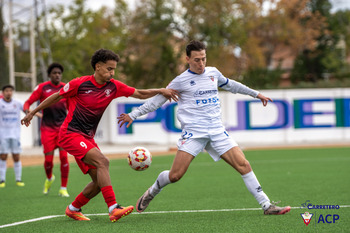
(264, 99)
(26, 120)
(123, 118)
(170, 94)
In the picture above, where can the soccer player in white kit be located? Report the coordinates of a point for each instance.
(199, 113)
(10, 129)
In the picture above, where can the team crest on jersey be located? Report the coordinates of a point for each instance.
(212, 78)
(108, 92)
(66, 87)
(192, 83)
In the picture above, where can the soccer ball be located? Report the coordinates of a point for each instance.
(139, 158)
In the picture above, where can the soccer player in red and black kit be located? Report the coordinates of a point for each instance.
(51, 122)
(88, 97)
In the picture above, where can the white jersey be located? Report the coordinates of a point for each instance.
(199, 103)
(10, 118)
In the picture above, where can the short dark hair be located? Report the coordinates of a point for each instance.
(194, 45)
(54, 65)
(103, 55)
(8, 86)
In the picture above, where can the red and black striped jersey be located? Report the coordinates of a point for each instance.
(54, 115)
(87, 101)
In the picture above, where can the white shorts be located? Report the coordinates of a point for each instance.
(10, 145)
(216, 141)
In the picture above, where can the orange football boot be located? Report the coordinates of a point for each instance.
(76, 215)
(120, 212)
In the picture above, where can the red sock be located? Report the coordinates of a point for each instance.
(80, 201)
(48, 165)
(108, 195)
(64, 168)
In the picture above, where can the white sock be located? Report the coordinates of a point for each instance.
(254, 188)
(161, 182)
(3, 168)
(112, 207)
(18, 170)
(63, 188)
(72, 208)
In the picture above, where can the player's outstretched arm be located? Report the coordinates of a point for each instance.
(46, 103)
(264, 99)
(150, 105)
(170, 94)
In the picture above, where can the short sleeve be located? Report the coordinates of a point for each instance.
(123, 89)
(70, 89)
(33, 97)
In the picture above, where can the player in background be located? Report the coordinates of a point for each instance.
(199, 113)
(10, 131)
(51, 122)
(88, 97)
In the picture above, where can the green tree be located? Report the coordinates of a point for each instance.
(259, 33)
(316, 63)
(77, 32)
(216, 23)
(151, 56)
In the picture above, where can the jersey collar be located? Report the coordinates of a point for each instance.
(195, 72)
(95, 83)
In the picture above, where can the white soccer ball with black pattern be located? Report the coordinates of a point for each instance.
(139, 158)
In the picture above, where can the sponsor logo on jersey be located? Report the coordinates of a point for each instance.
(89, 91)
(48, 90)
(200, 93)
(213, 100)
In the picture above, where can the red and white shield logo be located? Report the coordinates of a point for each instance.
(306, 217)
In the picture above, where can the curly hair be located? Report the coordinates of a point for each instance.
(103, 55)
(54, 65)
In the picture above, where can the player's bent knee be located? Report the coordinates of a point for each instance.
(245, 167)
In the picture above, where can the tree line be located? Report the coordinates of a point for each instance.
(243, 38)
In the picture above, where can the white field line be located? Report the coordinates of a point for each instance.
(153, 212)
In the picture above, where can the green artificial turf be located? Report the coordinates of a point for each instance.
(211, 197)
